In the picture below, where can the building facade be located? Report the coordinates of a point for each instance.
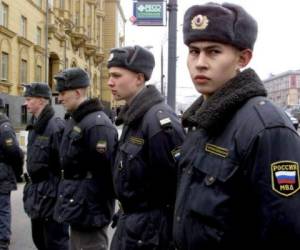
(284, 89)
(40, 38)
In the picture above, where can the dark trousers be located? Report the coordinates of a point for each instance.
(5, 221)
(48, 234)
(95, 239)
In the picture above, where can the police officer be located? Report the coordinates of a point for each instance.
(43, 169)
(239, 165)
(144, 174)
(11, 169)
(87, 152)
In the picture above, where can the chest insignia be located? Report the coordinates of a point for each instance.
(136, 140)
(216, 150)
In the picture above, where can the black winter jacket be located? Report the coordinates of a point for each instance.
(239, 183)
(145, 172)
(88, 147)
(43, 167)
(11, 157)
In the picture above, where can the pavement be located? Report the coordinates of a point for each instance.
(21, 228)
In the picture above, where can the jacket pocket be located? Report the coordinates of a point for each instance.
(4, 171)
(70, 206)
(143, 229)
(39, 198)
(39, 156)
(132, 159)
(130, 168)
(210, 200)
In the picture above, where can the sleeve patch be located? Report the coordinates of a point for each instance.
(176, 153)
(101, 146)
(9, 142)
(285, 177)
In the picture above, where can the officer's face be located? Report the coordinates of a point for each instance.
(212, 64)
(69, 99)
(124, 84)
(34, 105)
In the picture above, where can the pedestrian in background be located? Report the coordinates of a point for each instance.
(11, 169)
(239, 165)
(43, 169)
(87, 153)
(145, 170)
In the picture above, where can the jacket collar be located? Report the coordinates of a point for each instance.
(85, 108)
(214, 113)
(148, 97)
(42, 121)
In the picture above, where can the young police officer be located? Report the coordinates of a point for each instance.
(145, 173)
(87, 151)
(239, 165)
(11, 168)
(43, 168)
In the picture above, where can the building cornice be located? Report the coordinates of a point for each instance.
(7, 32)
(39, 49)
(24, 41)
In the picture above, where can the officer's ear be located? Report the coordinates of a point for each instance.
(245, 56)
(140, 78)
(77, 92)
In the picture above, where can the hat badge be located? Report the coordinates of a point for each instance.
(199, 22)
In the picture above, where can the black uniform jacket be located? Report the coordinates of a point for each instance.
(11, 156)
(87, 151)
(43, 168)
(145, 172)
(239, 184)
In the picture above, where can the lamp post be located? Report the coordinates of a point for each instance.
(161, 70)
(172, 8)
(46, 41)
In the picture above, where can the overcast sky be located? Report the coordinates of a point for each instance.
(277, 48)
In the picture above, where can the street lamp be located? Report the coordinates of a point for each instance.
(161, 65)
(171, 96)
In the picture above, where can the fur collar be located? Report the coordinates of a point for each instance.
(85, 108)
(214, 113)
(148, 97)
(42, 121)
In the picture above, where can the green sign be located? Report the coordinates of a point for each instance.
(149, 13)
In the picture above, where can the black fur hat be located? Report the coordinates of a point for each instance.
(37, 89)
(136, 59)
(72, 78)
(225, 23)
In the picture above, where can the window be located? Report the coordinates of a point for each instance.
(77, 13)
(23, 114)
(4, 15)
(7, 109)
(77, 19)
(38, 73)
(23, 71)
(39, 3)
(89, 31)
(38, 36)
(4, 66)
(98, 29)
(62, 4)
(23, 26)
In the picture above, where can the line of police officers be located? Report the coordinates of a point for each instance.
(235, 185)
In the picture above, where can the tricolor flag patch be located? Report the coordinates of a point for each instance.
(285, 177)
